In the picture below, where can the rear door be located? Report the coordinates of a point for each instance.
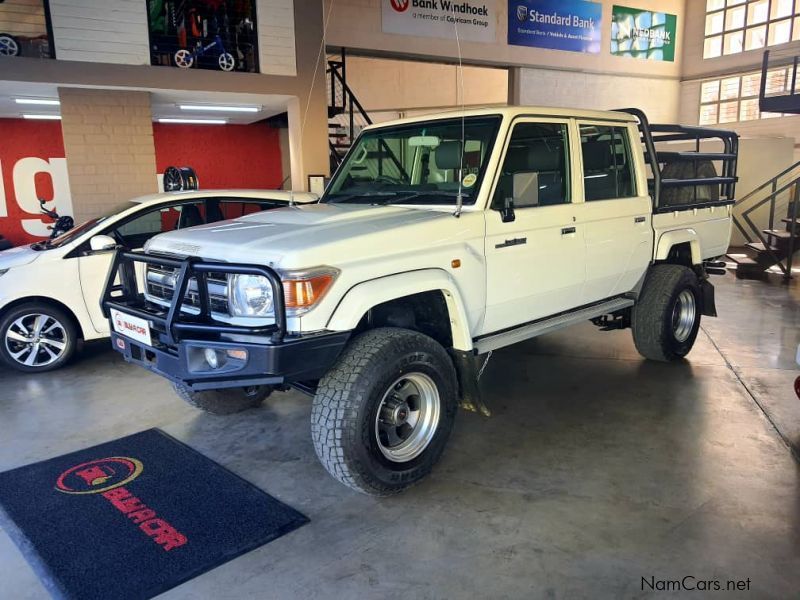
(616, 214)
(535, 264)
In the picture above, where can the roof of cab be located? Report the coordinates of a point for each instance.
(279, 195)
(515, 111)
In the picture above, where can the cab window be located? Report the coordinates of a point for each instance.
(535, 170)
(607, 171)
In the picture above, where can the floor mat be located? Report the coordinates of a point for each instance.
(134, 517)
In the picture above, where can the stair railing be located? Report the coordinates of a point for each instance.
(342, 98)
(776, 188)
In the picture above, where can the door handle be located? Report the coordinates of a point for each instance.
(567, 230)
(640, 220)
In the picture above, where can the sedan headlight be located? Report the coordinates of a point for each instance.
(250, 296)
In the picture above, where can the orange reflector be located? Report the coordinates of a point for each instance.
(240, 354)
(302, 293)
(455, 263)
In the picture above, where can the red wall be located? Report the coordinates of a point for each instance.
(223, 156)
(19, 139)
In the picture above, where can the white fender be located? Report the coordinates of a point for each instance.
(362, 297)
(669, 239)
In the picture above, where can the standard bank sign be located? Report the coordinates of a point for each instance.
(572, 25)
(476, 20)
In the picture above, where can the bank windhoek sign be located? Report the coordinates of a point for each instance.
(643, 34)
(475, 20)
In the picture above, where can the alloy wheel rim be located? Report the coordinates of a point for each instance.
(8, 47)
(36, 340)
(407, 417)
(683, 316)
(226, 62)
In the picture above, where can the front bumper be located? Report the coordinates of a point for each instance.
(260, 355)
(291, 361)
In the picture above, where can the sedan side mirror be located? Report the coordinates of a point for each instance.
(101, 243)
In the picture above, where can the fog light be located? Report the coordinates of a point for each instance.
(211, 358)
(237, 354)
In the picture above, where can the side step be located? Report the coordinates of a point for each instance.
(537, 328)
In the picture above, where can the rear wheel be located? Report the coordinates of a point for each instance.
(382, 415)
(666, 318)
(226, 401)
(183, 59)
(37, 337)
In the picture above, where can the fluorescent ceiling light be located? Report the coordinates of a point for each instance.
(43, 117)
(39, 101)
(195, 121)
(219, 108)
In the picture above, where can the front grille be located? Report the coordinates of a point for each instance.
(160, 288)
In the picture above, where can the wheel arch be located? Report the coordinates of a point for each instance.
(681, 246)
(45, 300)
(357, 303)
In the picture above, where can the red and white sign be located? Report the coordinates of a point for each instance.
(133, 327)
(32, 166)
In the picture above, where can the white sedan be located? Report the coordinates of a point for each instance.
(50, 291)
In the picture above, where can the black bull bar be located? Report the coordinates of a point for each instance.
(172, 322)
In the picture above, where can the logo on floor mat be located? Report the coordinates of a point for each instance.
(98, 476)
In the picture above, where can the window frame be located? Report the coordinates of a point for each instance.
(572, 197)
(739, 97)
(747, 28)
(632, 163)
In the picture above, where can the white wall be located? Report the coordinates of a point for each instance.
(276, 42)
(573, 89)
(110, 31)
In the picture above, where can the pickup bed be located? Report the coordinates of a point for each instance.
(438, 240)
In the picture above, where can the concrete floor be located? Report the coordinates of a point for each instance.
(598, 469)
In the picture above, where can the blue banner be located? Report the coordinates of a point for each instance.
(573, 25)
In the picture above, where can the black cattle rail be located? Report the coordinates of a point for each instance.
(172, 321)
(655, 134)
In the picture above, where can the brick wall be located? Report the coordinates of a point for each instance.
(108, 142)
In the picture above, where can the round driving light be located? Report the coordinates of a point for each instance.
(211, 358)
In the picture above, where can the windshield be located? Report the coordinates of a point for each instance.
(420, 163)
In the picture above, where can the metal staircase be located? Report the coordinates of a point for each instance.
(346, 116)
(780, 195)
(776, 201)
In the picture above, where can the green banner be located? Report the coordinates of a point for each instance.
(643, 34)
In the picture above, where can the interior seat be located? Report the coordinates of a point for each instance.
(190, 216)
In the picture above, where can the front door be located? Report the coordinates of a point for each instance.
(535, 263)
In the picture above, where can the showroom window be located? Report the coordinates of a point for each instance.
(733, 99)
(734, 26)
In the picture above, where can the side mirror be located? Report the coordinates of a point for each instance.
(101, 243)
(507, 212)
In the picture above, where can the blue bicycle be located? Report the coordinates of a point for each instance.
(185, 58)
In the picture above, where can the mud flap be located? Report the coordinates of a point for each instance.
(709, 304)
(468, 373)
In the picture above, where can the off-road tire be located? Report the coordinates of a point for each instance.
(653, 326)
(226, 401)
(67, 323)
(344, 409)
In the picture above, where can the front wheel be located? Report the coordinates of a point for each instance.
(382, 415)
(226, 401)
(36, 337)
(226, 61)
(666, 317)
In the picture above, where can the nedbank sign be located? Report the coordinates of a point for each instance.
(475, 20)
(572, 25)
(643, 34)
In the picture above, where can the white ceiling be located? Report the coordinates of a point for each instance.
(164, 102)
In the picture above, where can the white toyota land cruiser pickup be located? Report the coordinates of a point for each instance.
(439, 239)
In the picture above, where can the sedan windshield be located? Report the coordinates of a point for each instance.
(428, 162)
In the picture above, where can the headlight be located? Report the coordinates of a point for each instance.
(250, 296)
